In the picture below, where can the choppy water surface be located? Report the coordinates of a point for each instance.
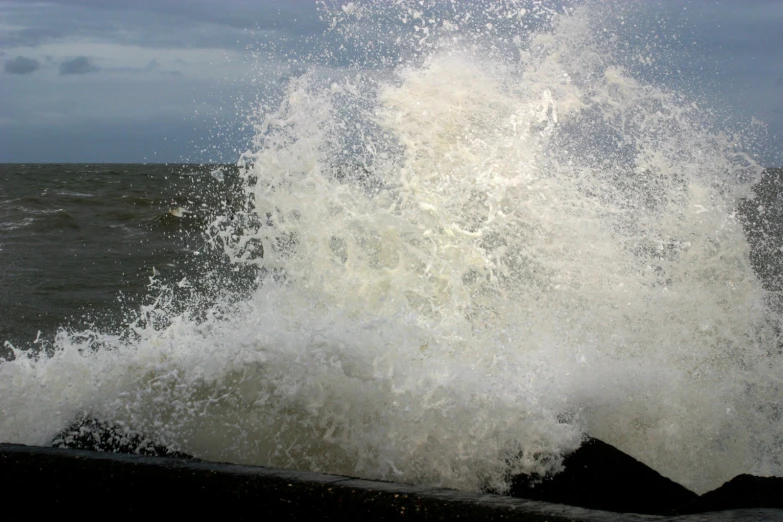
(439, 269)
(77, 239)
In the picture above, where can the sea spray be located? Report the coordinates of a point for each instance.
(483, 238)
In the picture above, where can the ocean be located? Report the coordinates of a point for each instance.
(79, 240)
(441, 270)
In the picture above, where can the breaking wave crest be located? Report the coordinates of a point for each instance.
(491, 239)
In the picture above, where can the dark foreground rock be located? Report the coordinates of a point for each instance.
(125, 467)
(743, 491)
(599, 476)
(94, 484)
(90, 434)
(38, 481)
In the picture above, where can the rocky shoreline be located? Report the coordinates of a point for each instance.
(109, 484)
(93, 461)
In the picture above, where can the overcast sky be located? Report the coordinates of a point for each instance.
(171, 80)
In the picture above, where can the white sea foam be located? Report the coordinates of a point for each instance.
(466, 261)
(75, 194)
(13, 225)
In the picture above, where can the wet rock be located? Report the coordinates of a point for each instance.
(741, 492)
(90, 434)
(599, 476)
(108, 484)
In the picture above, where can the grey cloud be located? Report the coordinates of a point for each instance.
(152, 67)
(21, 65)
(297, 17)
(78, 65)
(151, 23)
(270, 30)
(30, 36)
(779, 81)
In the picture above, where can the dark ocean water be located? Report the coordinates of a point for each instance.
(79, 243)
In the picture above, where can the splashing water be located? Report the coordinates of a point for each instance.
(494, 240)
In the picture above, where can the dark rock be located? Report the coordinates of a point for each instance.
(741, 492)
(90, 434)
(599, 476)
(56, 481)
(37, 482)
